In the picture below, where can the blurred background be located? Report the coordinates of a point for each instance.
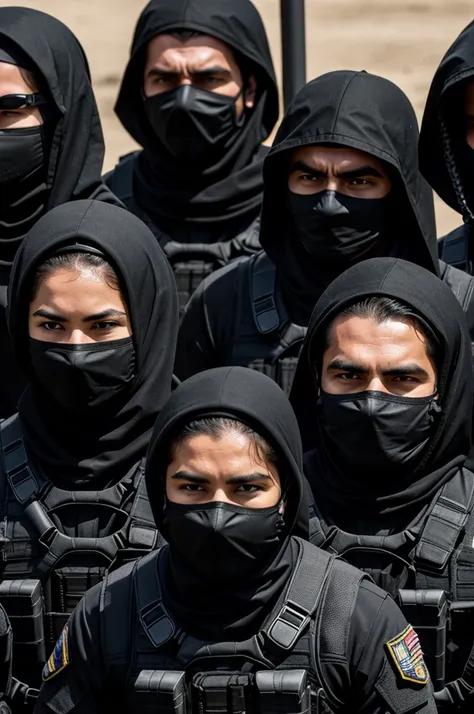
(403, 40)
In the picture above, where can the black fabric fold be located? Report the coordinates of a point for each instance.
(361, 111)
(255, 400)
(229, 192)
(103, 447)
(340, 486)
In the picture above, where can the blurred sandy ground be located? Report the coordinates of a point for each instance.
(403, 40)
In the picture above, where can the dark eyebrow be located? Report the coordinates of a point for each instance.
(359, 172)
(49, 315)
(346, 366)
(301, 166)
(106, 313)
(411, 368)
(248, 478)
(170, 74)
(184, 476)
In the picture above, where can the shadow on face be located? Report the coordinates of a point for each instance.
(366, 354)
(227, 469)
(327, 168)
(201, 60)
(17, 81)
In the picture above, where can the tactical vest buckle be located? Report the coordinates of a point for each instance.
(288, 625)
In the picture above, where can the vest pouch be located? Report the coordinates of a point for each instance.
(427, 612)
(160, 692)
(281, 692)
(23, 603)
(222, 693)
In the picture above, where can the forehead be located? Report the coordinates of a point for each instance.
(12, 80)
(202, 48)
(366, 339)
(343, 157)
(86, 286)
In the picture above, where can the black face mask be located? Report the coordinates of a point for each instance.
(83, 376)
(21, 153)
(223, 541)
(377, 430)
(193, 124)
(334, 227)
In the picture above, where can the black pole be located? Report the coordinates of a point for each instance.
(293, 45)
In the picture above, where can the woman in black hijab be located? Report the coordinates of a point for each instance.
(224, 480)
(447, 145)
(56, 159)
(93, 316)
(197, 182)
(392, 475)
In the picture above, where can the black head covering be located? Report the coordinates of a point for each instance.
(255, 400)
(443, 131)
(231, 190)
(74, 135)
(450, 444)
(364, 112)
(100, 449)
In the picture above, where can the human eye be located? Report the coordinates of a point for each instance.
(401, 378)
(248, 488)
(51, 325)
(360, 181)
(347, 376)
(193, 487)
(107, 325)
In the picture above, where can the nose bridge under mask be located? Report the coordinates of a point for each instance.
(327, 204)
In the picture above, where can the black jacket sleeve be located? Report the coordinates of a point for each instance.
(76, 688)
(376, 682)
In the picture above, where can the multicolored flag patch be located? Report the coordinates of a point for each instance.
(407, 654)
(59, 659)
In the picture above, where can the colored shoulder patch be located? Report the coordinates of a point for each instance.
(407, 654)
(59, 659)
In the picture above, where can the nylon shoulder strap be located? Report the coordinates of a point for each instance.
(305, 592)
(446, 522)
(461, 283)
(455, 249)
(24, 484)
(262, 294)
(154, 619)
(143, 531)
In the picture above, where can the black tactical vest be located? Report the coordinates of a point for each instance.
(429, 567)
(191, 262)
(267, 340)
(56, 544)
(306, 614)
(454, 249)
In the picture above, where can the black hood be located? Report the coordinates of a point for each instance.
(450, 444)
(231, 189)
(75, 150)
(255, 400)
(101, 449)
(442, 137)
(364, 112)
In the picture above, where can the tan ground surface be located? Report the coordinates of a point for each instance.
(403, 40)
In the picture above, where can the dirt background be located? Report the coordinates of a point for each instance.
(403, 40)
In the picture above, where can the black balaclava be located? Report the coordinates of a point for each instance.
(234, 606)
(446, 159)
(444, 441)
(71, 142)
(102, 443)
(228, 191)
(360, 111)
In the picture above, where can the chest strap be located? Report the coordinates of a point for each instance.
(283, 628)
(26, 488)
(446, 522)
(262, 294)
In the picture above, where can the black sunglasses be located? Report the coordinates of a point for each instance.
(10, 102)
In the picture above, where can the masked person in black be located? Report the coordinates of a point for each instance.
(234, 595)
(199, 95)
(51, 144)
(447, 144)
(384, 398)
(341, 186)
(93, 315)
